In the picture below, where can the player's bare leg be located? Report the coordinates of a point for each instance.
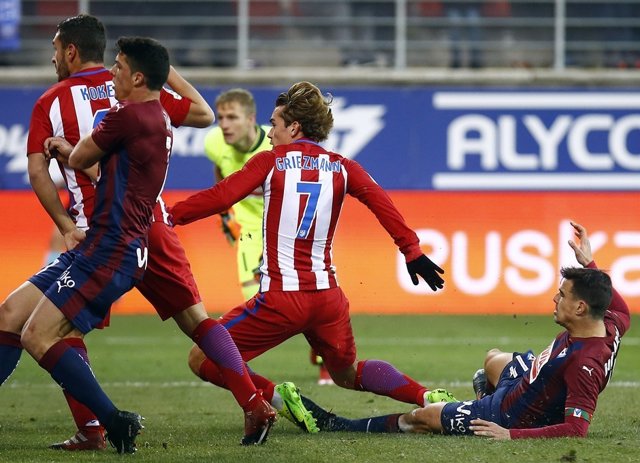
(422, 420)
(494, 363)
(18, 306)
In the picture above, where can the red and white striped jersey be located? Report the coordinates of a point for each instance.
(304, 188)
(71, 109)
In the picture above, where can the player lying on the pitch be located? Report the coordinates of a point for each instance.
(553, 394)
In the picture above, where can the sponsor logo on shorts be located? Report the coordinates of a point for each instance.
(458, 424)
(65, 281)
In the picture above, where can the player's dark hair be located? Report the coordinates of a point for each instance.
(87, 33)
(147, 56)
(304, 103)
(591, 285)
(239, 95)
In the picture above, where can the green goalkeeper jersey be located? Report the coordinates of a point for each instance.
(248, 212)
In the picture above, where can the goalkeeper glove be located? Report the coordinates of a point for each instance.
(257, 274)
(230, 227)
(424, 267)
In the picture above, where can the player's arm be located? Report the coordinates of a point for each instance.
(60, 149)
(572, 427)
(200, 113)
(618, 309)
(85, 154)
(47, 192)
(43, 185)
(367, 191)
(224, 194)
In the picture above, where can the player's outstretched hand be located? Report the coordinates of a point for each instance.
(429, 271)
(582, 248)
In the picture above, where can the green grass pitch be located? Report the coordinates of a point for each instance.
(141, 363)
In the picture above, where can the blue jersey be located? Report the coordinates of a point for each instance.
(137, 138)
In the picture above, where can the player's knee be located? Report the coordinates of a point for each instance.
(196, 357)
(345, 378)
(495, 362)
(422, 420)
(16, 309)
(10, 319)
(4, 312)
(491, 355)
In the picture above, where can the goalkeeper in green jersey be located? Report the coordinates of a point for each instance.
(229, 146)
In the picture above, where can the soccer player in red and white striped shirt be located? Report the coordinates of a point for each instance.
(304, 187)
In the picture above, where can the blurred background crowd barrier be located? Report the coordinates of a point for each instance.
(397, 34)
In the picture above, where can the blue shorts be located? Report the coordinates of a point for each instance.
(82, 290)
(456, 416)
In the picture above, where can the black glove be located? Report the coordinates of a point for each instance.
(424, 267)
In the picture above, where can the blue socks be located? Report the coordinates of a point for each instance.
(10, 351)
(73, 374)
(376, 424)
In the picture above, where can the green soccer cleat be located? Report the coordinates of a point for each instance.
(294, 410)
(439, 395)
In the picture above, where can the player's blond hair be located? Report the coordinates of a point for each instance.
(238, 95)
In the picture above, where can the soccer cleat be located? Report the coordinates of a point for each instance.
(325, 420)
(122, 431)
(294, 410)
(439, 395)
(89, 439)
(259, 416)
(480, 383)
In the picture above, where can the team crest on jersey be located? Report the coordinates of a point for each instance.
(563, 353)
